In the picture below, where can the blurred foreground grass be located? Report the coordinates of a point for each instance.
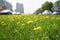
(29, 27)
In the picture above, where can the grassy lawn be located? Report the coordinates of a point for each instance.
(29, 27)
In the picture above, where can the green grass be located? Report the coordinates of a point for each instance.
(30, 27)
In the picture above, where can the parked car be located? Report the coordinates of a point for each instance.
(56, 12)
(47, 12)
(16, 13)
(6, 12)
(13, 12)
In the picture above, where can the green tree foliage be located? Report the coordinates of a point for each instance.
(46, 6)
(57, 3)
(39, 10)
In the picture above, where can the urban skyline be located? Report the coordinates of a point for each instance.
(30, 6)
(9, 6)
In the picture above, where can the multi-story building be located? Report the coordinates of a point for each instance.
(57, 6)
(2, 5)
(5, 5)
(8, 5)
(19, 8)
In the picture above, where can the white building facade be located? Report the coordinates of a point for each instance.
(19, 8)
(5, 5)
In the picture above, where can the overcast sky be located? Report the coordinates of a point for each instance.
(29, 5)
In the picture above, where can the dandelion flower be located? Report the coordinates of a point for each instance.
(41, 18)
(35, 29)
(36, 20)
(4, 24)
(58, 18)
(53, 17)
(18, 23)
(23, 24)
(47, 17)
(13, 19)
(29, 22)
(38, 28)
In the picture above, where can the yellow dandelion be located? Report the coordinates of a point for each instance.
(8, 16)
(29, 22)
(18, 23)
(23, 24)
(18, 17)
(53, 17)
(36, 20)
(13, 19)
(35, 29)
(3, 23)
(47, 17)
(41, 18)
(36, 17)
(58, 18)
(38, 28)
(15, 16)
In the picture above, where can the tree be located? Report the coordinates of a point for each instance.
(57, 3)
(46, 6)
(39, 10)
(57, 6)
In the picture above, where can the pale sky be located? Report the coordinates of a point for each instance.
(29, 5)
